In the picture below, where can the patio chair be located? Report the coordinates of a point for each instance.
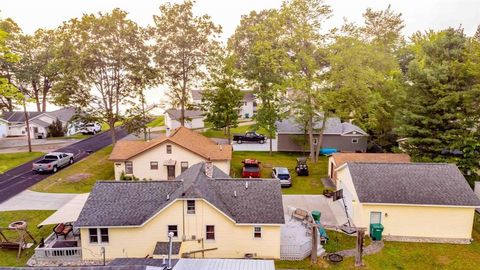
(62, 229)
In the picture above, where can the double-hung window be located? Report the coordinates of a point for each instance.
(257, 232)
(169, 148)
(210, 232)
(153, 165)
(190, 206)
(173, 229)
(128, 167)
(98, 235)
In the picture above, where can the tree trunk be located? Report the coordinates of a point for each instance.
(271, 145)
(310, 137)
(46, 88)
(113, 132)
(36, 96)
(229, 135)
(320, 136)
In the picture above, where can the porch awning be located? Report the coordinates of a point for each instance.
(67, 213)
(169, 162)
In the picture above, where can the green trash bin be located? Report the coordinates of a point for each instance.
(316, 215)
(376, 230)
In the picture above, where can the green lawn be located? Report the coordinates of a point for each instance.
(300, 184)
(11, 160)
(402, 255)
(81, 176)
(9, 257)
(157, 122)
(214, 133)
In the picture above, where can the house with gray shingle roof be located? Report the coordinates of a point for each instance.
(342, 136)
(13, 123)
(206, 210)
(194, 119)
(430, 202)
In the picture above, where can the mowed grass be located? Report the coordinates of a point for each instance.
(157, 122)
(12, 160)
(81, 176)
(216, 133)
(9, 257)
(403, 255)
(311, 184)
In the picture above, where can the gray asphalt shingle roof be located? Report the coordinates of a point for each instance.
(175, 114)
(411, 183)
(120, 203)
(333, 125)
(18, 116)
(161, 248)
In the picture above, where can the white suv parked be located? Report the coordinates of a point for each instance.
(91, 128)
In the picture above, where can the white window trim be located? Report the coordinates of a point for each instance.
(355, 140)
(99, 237)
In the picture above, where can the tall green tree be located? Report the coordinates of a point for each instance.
(364, 75)
(183, 46)
(442, 114)
(306, 50)
(9, 38)
(259, 56)
(221, 100)
(103, 57)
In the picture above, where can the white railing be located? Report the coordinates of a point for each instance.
(49, 252)
(295, 252)
(57, 253)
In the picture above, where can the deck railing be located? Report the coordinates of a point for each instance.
(49, 252)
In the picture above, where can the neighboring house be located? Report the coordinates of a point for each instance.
(38, 121)
(338, 159)
(344, 137)
(3, 128)
(209, 214)
(168, 156)
(413, 201)
(193, 119)
(248, 103)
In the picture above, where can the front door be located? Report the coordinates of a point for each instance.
(375, 217)
(171, 172)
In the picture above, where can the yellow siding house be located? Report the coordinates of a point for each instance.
(168, 156)
(210, 215)
(413, 201)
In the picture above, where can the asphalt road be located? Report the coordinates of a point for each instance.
(22, 177)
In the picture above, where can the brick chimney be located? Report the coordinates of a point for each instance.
(209, 168)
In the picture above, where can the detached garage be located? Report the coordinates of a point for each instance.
(419, 202)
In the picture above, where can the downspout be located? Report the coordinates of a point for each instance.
(170, 236)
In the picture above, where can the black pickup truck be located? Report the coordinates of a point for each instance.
(250, 136)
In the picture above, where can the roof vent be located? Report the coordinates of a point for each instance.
(235, 193)
(221, 147)
(168, 196)
(246, 185)
(209, 168)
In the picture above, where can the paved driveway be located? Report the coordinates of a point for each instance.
(332, 216)
(20, 178)
(31, 200)
(254, 146)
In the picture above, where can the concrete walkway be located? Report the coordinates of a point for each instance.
(332, 213)
(31, 200)
(374, 247)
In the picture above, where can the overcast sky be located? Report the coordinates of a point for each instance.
(417, 14)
